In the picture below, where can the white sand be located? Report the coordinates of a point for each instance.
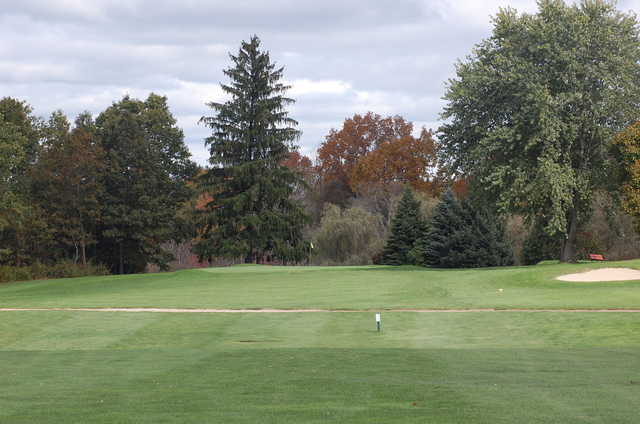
(604, 274)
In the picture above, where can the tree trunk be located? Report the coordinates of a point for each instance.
(121, 260)
(568, 253)
(83, 244)
(83, 248)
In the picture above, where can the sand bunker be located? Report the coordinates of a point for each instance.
(604, 274)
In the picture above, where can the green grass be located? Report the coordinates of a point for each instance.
(332, 287)
(474, 367)
(75, 367)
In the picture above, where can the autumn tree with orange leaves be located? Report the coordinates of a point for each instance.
(406, 160)
(372, 151)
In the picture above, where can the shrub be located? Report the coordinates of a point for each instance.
(38, 271)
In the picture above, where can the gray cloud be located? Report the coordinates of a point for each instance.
(343, 57)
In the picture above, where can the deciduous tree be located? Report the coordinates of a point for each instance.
(22, 230)
(372, 150)
(340, 152)
(350, 236)
(67, 182)
(626, 148)
(147, 166)
(531, 112)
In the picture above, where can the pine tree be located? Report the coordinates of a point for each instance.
(252, 213)
(487, 245)
(462, 235)
(438, 245)
(407, 226)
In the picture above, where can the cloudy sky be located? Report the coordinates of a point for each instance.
(341, 56)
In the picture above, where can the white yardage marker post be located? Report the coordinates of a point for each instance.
(378, 321)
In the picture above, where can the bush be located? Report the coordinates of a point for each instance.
(38, 271)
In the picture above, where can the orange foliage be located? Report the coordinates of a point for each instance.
(298, 162)
(202, 199)
(371, 150)
(460, 187)
(341, 150)
(405, 160)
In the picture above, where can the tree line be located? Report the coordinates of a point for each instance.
(538, 147)
(106, 190)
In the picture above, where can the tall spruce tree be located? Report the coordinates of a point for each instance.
(463, 235)
(438, 245)
(252, 213)
(407, 226)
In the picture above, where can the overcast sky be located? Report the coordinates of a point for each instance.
(341, 56)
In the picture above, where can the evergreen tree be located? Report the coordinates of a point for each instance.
(438, 245)
(407, 226)
(463, 234)
(252, 213)
(488, 246)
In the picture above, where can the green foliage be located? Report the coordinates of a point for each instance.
(67, 182)
(253, 213)
(147, 167)
(407, 227)
(462, 235)
(61, 269)
(347, 236)
(626, 148)
(23, 233)
(11, 155)
(531, 112)
(540, 246)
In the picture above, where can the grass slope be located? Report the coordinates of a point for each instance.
(332, 287)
